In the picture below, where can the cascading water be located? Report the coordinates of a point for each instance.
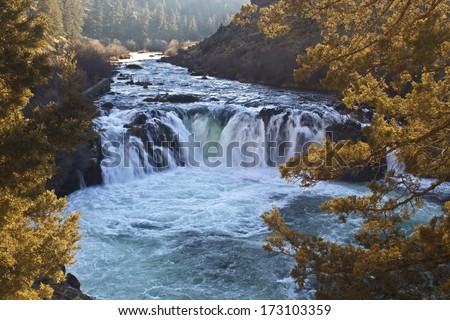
(139, 142)
(178, 220)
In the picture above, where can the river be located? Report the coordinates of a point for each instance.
(176, 223)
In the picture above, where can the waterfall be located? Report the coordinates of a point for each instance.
(81, 179)
(137, 143)
(394, 164)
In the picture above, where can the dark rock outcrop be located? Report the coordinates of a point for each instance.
(352, 130)
(69, 289)
(267, 113)
(134, 67)
(107, 106)
(177, 98)
(245, 54)
(140, 119)
(77, 167)
(73, 281)
(348, 130)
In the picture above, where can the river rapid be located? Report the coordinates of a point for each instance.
(167, 224)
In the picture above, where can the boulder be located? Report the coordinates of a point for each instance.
(134, 67)
(107, 106)
(99, 89)
(144, 84)
(183, 98)
(140, 133)
(177, 98)
(348, 130)
(139, 120)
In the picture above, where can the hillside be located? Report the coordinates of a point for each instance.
(244, 54)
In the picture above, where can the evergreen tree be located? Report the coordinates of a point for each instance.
(54, 16)
(117, 20)
(212, 24)
(142, 20)
(193, 29)
(94, 25)
(73, 18)
(145, 22)
(36, 237)
(109, 10)
(393, 57)
(173, 22)
(161, 20)
(130, 20)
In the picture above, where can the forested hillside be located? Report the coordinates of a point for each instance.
(139, 24)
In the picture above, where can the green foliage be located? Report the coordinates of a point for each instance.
(391, 56)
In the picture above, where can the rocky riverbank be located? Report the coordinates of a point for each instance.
(69, 289)
(245, 54)
(80, 168)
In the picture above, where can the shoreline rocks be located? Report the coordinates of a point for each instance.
(69, 289)
(77, 169)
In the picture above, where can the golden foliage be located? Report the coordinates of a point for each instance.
(391, 56)
(36, 236)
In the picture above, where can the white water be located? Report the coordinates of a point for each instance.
(195, 232)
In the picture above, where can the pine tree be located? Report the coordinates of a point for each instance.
(145, 22)
(161, 20)
(212, 24)
(130, 20)
(54, 16)
(36, 236)
(73, 18)
(117, 20)
(392, 57)
(193, 29)
(173, 22)
(95, 20)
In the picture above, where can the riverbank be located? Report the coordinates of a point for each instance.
(246, 55)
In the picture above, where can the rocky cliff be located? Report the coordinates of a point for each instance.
(245, 54)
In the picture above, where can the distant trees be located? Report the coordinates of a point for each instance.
(140, 23)
(73, 17)
(146, 22)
